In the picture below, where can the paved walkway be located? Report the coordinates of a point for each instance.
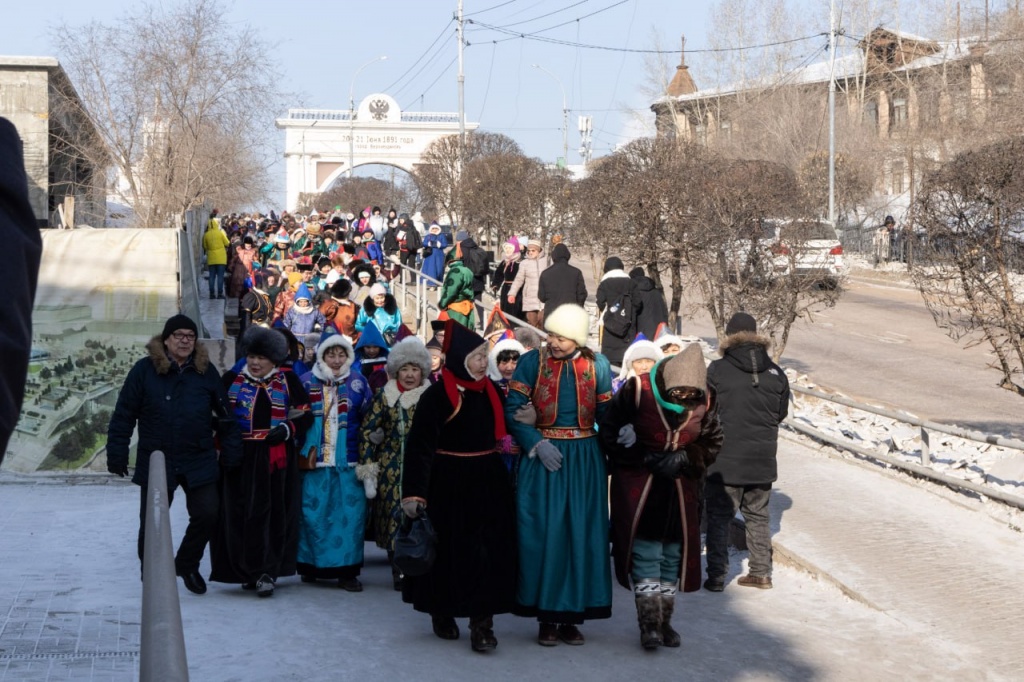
(935, 587)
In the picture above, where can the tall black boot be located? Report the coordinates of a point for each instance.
(648, 613)
(481, 634)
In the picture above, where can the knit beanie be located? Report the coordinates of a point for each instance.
(686, 368)
(740, 322)
(179, 322)
(378, 290)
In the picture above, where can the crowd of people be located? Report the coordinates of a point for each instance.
(324, 436)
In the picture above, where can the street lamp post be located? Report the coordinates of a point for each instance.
(565, 113)
(352, 113)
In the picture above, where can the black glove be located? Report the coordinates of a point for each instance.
(119, 469)
(668, 464)
(279, 434)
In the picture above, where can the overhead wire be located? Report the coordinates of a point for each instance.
(542, 16)
(434, 82)
(439, 36)
(426, 65)
(488, 9)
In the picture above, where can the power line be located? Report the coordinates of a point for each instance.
(516, 34)
(527, 21)
(426, 65)
(488, 9)
(708, 50)
(434, 82)
(439, 36)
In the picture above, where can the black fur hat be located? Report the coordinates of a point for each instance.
(341, 289)
(269, 343)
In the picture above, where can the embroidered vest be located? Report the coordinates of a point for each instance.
(242, 401)
(652, 423)
(324, 397)
(584, 383)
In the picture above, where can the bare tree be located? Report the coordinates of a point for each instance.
(970, 259)
(182, 111)
(438, 175)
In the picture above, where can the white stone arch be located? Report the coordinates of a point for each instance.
(322, 145)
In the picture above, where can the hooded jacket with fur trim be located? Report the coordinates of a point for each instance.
(753, 399)
(176, 411)
(388, 317)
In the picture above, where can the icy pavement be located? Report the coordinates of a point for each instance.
(933, 586)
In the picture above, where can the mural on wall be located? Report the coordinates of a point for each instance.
(102, 295)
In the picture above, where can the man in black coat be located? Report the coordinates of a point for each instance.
(615, 301)
(176, 396)
(753, 399)
(560, 282)
(23, 248)
(649, 306)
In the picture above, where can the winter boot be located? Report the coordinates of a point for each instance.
(481, 634)
(669, 636)
(648, 613)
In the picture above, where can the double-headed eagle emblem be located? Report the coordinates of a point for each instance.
(379, 109)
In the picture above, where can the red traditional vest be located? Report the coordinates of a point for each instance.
(652, 426)
(545, 393)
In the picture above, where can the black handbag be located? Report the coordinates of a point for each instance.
(415, 544)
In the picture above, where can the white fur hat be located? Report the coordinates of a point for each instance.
(320, 368)
(492, 357)
(408, 351)
(639, 350)
(571, 321)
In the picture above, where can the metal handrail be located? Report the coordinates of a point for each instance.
(162, 657)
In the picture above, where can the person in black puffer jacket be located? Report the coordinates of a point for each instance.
(753, 399)
(649, 306)
(615, 291)
(561, 283)
(176, 397)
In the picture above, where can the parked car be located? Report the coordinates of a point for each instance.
(772, 249)
(809, 249)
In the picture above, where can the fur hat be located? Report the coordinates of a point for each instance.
(341, 288)
(310, 340)
(269, 343)
(492, 357)
(176, 323)
(461, 235)
(333, 340)
(641, 349)
(408, 351)
(686, 368)
(571, 321)
(741, 322)
(529, 338)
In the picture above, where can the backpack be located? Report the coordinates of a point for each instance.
(619, 316)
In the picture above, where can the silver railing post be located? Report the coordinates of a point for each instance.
(926, 450)
(162, 657)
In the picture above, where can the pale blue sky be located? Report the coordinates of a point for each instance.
(323, 43)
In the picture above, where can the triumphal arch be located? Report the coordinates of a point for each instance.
(322, 145)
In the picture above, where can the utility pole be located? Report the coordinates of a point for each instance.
(462, 91)
(832, 114)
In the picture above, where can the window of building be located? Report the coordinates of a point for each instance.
(871, 114)
(897, 178)
(700, 134)
(898, 112)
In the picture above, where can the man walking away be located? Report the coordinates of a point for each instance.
(753, 399)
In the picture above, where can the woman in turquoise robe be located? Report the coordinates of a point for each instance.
(562, 498)
(333, 499)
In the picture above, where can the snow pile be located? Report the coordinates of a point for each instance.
(981, 463)
(969, 460)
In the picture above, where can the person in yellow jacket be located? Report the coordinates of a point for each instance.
(215, 244)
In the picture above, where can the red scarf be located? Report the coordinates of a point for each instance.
(451, 387)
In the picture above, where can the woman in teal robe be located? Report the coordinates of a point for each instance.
(333, 499)
(562, 498)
